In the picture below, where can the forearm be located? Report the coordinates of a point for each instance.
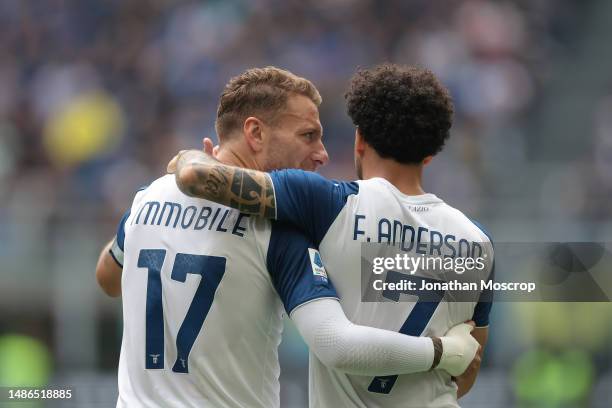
(200, 175)
(465, 382)
(360, 350)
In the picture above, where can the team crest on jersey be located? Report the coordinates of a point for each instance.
(318, 270)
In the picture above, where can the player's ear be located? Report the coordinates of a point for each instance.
(253, 129)
(360, 143)
(427, 160)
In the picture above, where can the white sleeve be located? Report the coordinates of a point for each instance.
(361, 350)
(116, 252)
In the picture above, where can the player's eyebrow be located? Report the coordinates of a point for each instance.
(310, 128)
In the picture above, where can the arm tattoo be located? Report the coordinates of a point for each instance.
(249, 191)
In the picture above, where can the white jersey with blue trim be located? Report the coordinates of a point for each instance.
(203, 290)
(339, 217)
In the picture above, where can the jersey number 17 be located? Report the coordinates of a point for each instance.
(211, 268)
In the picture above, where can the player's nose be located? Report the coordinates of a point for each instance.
(320, 156)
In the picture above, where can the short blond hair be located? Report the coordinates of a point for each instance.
(259, 91)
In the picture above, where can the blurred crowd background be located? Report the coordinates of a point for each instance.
(97, 96)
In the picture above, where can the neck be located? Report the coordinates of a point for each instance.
(235, 156)
(405, 177)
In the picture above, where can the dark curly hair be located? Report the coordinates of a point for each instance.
(403, 112)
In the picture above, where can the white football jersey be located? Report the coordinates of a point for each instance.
(202, 315)
(339, 217)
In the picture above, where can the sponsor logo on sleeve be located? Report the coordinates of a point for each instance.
(318, 270)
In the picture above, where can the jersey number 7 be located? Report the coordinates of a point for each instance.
(211, 268)
(415, 323)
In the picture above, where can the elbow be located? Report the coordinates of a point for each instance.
(338, 348)
(108, 277)
(344, 363)
(109, 288)
(338, 358)
(186, 180)
(335, 361)
(112, 292)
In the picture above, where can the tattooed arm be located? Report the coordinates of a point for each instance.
(305, 199)
(200, 175)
